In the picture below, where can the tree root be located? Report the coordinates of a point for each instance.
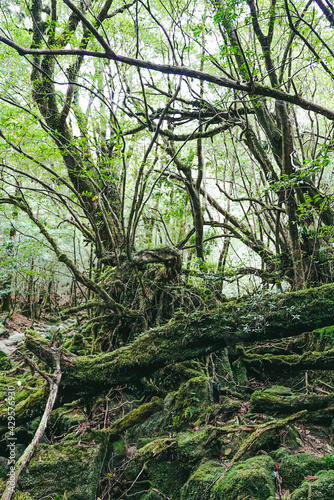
(261, 429)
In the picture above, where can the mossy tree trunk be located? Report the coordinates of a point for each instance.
(188, 338)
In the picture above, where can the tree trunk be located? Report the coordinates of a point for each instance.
(234, 323)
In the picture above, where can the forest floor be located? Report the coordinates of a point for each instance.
(240, 422)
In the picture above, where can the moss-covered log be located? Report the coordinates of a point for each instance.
(306, 361)
(134, 417)
(269, 401)
(186, 338)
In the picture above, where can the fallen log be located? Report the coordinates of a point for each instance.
(237, 322)
(271, 402)
(134, 417)
(306, 361)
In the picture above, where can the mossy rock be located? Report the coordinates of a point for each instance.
(190, 402)
(78, 344)
(229, 406)
(66, 418)
(199, 484)
(168, 476)
(252, 479)
(320, 489)
(295, 467)
(163, 468)
(68, 467)
(194, 446)
(280, 453)
(152, 495)
(279, 390)
(30, 400)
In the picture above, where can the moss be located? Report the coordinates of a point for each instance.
(163, 468)
(3, 468)
(252, 479)
(5, 362)
(280, 390)
(29, 400)
(229, 406)
(154, 448)
(69, 467)
(271, 402)
(279, 454)
(199, 484)
(189, 402)
(33, 406)
(168, 476)
(295, 467)
(66, 418)
(2, 485)
(239, 373)
(194, 446)
(320, 489)
(224, 370)
(24, 387)
(152, 495)
(135, 417)
(175, 374)
(78, 344)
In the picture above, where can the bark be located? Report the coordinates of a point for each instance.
(290, 201)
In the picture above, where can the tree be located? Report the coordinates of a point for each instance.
(181, 147)
(127, 131)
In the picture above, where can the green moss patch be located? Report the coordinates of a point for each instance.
(199, 484)
(66, 468)
(252, 479)
(295, 467)
(190, 402)
(320, 489)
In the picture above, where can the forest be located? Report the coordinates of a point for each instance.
(166, 249)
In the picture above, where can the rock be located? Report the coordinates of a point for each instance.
(165, 470)
(69, 467)
(251, 479)
(320, 489)
(200, 482)
(295, 467)
(190, 403)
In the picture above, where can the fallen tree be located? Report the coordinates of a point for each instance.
(189, 337)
